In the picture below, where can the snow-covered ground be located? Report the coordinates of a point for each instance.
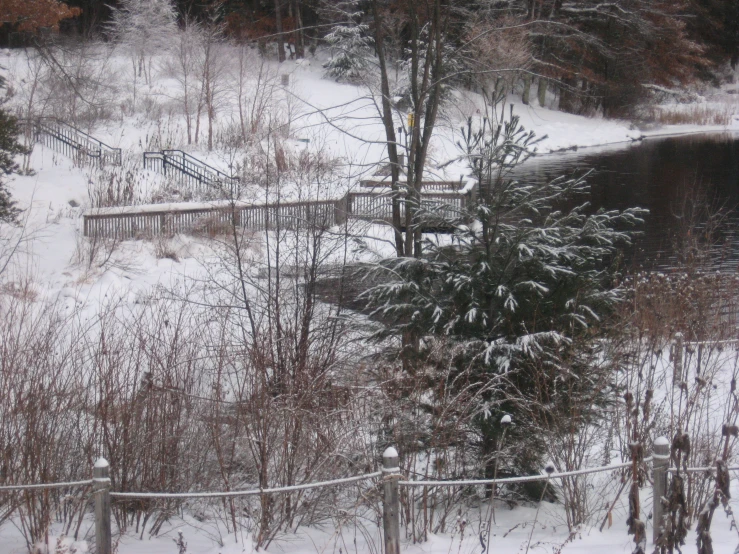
(338, 121)
(511, 534)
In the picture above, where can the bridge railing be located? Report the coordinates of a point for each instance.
(140, 222)
(373, 206)
(198, 175)
(73, 142)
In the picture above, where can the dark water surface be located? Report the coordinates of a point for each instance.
(668, 176)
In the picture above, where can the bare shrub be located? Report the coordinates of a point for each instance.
(163, 249)
(182, 66)
(240, 380)
(212, 225)
(499, 50)
(676, 348)
(695, 114)
(94, 253)
(701, 305)
(254, 87)
(79, 86)
(38, 416)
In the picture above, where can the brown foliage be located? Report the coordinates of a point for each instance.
(31, 15)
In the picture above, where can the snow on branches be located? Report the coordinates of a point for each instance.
(529, 265)
(146, 27)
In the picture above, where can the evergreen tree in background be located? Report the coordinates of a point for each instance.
(351, 48)
(350, 42)
(9, 148)
(517, 295)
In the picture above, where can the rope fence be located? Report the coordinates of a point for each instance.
(711, 343)
(46, 486)
(251, 492)
(698, 469)
(513, 480)
(390, 478)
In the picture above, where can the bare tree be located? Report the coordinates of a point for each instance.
(211, 70)
(184, 67)
(145, 27)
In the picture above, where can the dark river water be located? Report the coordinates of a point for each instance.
(675, 179)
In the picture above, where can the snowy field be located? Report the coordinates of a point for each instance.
(326, 119)
(338, 121)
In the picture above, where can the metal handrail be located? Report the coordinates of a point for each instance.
(78, 139)
(199, 164)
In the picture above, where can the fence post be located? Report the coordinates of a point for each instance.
(677, 373)
(660, 463)
(391, 501)
(101, 490)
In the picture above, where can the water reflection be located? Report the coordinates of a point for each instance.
(666, 176)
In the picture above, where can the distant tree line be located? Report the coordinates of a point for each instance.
(599, 56)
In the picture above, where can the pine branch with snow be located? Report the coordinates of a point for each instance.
(522, 289)
(351, 44)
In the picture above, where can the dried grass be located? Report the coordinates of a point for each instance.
(698, 114)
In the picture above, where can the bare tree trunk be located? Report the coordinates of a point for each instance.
(567, 94)
(542, 91)
(426, 80)
(526, 89)
(280, 36)
(387, 121)
(428, 94)
(299, 35)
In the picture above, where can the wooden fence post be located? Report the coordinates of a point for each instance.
(101, 491)
(677, 361)
(660, 463)
(391, 501)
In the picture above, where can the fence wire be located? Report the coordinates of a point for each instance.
(524, 479)
(251, 492)
(355, 479)
(42, 486)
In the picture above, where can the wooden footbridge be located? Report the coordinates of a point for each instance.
(438, 205)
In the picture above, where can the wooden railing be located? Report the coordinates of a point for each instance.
(371, 206)
(140, 222)
(438, 186)
(74, 143)
(199, 176)
(151, 220)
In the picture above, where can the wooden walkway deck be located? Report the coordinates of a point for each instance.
(148, 221)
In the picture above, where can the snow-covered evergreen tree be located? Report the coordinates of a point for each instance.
(520, 291)
(351, 44)
(10, 147)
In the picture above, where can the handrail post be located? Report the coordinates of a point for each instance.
(677, 361)
(101, 491)
(660, 463)
(391, 501)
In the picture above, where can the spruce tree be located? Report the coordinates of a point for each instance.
(519, 291)
(9, 148)
(350, 42)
